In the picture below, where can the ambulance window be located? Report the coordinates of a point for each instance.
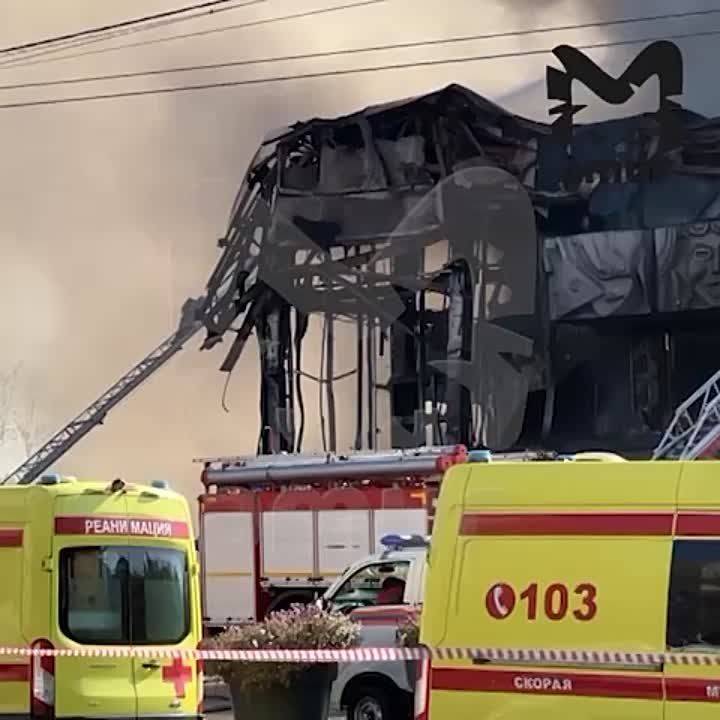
(694, 602)
(160, 608)
(122, 595)
(92, 598)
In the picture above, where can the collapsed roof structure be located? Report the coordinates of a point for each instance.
(527, 292)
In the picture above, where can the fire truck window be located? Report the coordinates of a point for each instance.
(367, 585)
(160, 607)
(92, 597)
(694, 602)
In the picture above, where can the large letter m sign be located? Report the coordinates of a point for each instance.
(662, 59)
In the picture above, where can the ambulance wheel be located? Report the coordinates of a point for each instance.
(372, 702)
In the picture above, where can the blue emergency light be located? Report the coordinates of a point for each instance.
(400, 542)
(479, 456)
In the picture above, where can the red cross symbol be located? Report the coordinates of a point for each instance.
(178, 674)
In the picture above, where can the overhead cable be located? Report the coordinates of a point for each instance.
(28, 57)
(342, 72)
(113, 26)
(339, 53)
(205, 33)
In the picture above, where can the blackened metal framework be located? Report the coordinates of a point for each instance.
(335, 218)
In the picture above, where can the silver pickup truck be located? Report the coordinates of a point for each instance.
(382, 593)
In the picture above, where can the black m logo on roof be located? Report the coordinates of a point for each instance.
(662, 58)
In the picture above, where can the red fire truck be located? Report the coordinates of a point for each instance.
(278, 529)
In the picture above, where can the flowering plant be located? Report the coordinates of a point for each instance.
(302, 627)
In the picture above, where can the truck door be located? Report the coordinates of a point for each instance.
(163, 615)
(692, 691)
(227, 545)
(379, 624)
(91, 607)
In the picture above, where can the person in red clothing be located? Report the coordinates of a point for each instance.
(392, 591)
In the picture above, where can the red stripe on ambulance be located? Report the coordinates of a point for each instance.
(684, 524)
(14, 673)
(694, 524)
(128, 526)
(567, 524)
(549, 683)
(9, 537)
(692, 689)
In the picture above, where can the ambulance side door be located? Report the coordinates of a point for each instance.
(91, 608)
(692, 691)
(164, 590)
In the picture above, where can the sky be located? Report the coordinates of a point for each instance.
(111, 209)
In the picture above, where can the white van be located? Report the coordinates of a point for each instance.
(381, 592)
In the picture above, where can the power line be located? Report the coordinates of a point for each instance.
(113, 26)
(22, 60)
(344, 72)
(27, 58)
(200, 33)
(345, 52)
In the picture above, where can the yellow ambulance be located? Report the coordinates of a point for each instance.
(603, 556)
(85, 566)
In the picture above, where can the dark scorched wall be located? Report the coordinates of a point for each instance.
(527, 296)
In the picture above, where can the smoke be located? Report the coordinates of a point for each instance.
(111, 209)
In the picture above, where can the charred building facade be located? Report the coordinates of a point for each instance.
(522, 303)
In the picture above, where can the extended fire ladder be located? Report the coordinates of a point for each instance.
(695, 428)
(301, 469)
(287, 468)
(95, 414)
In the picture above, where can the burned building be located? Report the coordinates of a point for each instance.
(574, 301)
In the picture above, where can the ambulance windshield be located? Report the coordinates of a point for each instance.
(124, 595)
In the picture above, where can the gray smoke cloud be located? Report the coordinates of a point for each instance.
(110, 210)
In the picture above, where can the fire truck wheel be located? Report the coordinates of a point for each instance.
(372, 702)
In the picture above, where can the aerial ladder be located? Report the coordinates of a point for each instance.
(94, 415)
(301, 469)
(694, 432)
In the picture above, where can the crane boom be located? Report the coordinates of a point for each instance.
(95, 413)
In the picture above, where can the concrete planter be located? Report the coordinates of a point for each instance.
(307, 698)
